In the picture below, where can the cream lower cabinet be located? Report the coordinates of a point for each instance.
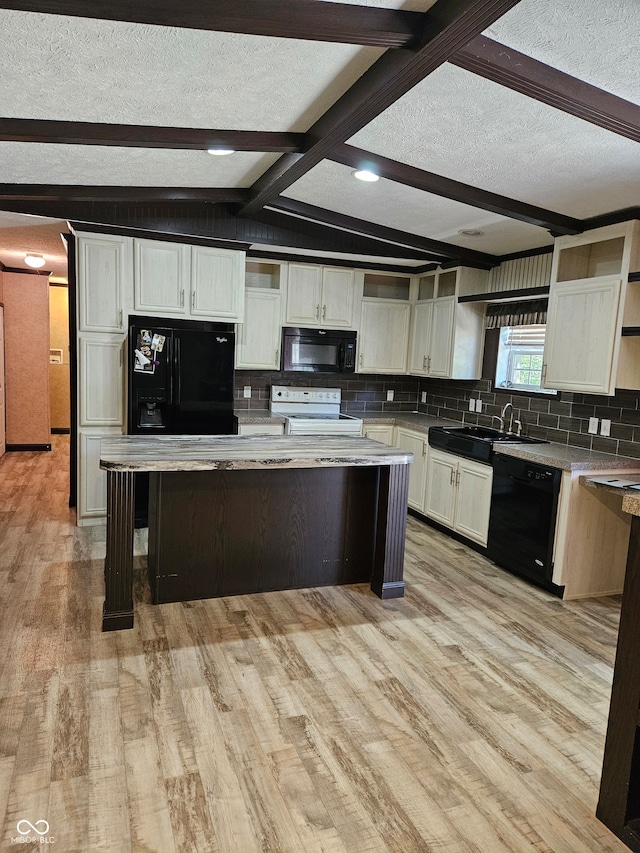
(92, 480)
(458, 494)
(258, 338)
(260, 429)
(384, 336)
(379, 432)
(416, 443)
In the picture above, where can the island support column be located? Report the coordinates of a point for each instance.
(118, 567)
(619, 803)
(387, 577)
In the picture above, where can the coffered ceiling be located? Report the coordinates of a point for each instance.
(520, 120)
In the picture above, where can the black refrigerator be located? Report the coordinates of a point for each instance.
(180, 382)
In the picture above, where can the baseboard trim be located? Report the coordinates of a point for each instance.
(60, 431)
(10, 448)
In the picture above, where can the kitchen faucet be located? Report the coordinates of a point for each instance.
(503, 415)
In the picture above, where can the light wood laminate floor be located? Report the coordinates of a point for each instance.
(468, 716)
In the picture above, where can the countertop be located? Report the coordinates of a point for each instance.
(233, 452)
(563, 456)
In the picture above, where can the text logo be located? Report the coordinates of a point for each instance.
(25, 826)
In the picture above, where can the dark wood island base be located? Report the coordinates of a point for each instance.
(230, 516)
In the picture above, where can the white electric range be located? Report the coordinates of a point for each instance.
(312, 411)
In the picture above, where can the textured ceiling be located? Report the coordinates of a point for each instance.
(453, 123)
(594, 40)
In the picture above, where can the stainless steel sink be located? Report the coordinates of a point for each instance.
(475, 442)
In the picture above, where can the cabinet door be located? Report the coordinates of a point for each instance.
(441, 487)
(92, 479)
(258, 338)
(217, 283)
(161, 276)
(440, 356)
(473, 500)
(304, 295)
(581, 338)
(382, 433)
(101, 383)
(260, 429)
(415, 443)
(383, 338)
(337, 297)
(105, 274)
(421, 338)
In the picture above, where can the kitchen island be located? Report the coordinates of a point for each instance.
(239, 514)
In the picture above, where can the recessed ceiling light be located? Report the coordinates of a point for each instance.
(220, 152)
(365, 175)
(471, 232)
(35, 261)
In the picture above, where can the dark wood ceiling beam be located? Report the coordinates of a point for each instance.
(449, 25)
(528, 76)
(419, 179)
(140, 136)
(308, 232)
(70, 192)
(302, 19)
(439, 250)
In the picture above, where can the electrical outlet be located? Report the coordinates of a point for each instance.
(605, 427)
(423, 397)
(478, 405)
(390, 395)
(472, 404)
(247, 391)
(593, 426)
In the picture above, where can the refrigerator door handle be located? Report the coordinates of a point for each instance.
(176, 368)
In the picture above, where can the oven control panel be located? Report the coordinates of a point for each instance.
(289, 394)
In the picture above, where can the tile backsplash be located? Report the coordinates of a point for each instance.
(563, 418)
(359, 393)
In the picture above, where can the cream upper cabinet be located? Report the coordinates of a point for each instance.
(337, 297)
(383, 337)
(101, 380)
(591, 301)
(320, 296)
(421, 338)
(447, 336)
(104, 278)
(458, 494)
(416, 443)
(175, 279)
(582, 331)
(258, 338)
(217, 283)
(161, 274)
(442, 338)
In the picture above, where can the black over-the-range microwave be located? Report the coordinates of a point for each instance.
(318, 350)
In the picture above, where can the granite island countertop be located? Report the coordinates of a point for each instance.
(233, 452)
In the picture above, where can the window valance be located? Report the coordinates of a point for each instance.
(532, 312)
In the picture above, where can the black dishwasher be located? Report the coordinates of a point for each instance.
(522, 522)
